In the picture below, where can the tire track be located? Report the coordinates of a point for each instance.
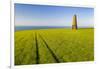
(37, 50)
(52, 53)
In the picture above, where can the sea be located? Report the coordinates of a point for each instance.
(19, 28)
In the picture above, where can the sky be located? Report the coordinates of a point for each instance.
(48, 15)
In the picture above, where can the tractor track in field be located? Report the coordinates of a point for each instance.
(37, 49)
(50, 50)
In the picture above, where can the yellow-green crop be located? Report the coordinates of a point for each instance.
(54, 46)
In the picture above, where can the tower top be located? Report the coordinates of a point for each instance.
(75, 15)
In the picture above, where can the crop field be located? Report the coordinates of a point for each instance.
(53, 46)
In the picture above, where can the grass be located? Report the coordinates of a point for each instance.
(53, 46)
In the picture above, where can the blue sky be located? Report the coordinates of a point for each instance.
(46, 15)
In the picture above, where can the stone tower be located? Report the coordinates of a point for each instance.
(74, 24)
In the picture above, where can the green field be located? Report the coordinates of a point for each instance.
(53, 46)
